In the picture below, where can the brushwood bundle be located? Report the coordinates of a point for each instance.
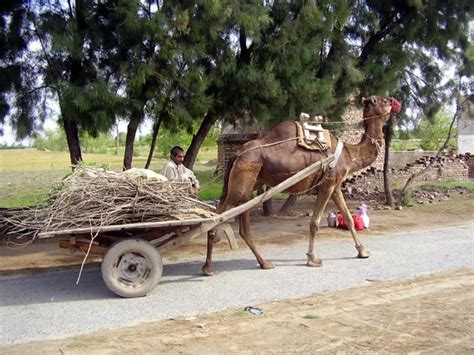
(95, 198)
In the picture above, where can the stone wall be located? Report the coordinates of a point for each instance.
(448, 167)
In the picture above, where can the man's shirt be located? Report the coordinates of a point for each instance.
(179, 173)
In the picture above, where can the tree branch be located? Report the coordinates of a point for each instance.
(438, 154)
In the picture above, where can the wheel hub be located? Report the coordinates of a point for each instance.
(133, 269)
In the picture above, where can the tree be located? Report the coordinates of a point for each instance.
(153, 56)
(433, 132)
(15, 83)
(237, 86)
(388, 135)
(181, 62)
(53, 60)
(69, 36)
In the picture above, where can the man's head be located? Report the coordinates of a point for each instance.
(177, 155)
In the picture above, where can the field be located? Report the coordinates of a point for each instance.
(27, 175)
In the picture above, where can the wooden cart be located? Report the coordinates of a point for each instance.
(132, 265)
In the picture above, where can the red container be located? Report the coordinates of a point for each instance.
(358, 222)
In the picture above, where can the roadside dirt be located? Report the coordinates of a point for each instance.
(431, 314)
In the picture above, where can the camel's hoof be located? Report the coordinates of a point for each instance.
(363, 253)
(314, 263)
(207, 271)
(267, 265)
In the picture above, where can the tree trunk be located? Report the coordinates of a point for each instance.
(388, 134)
(290, 202)
(156, 129)
(117, 141)
(135, 119)
(267, 206)
(198, 138)
(72, 138)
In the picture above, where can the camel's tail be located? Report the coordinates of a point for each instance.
(228, 168)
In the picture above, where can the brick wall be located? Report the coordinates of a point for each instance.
(448, 167)
(228, 145)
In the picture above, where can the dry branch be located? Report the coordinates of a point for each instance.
(96, 198)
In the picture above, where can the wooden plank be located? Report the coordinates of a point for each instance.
(117, 227)
(83, 246)
(229, 232)
(187, 236)
(233, 212)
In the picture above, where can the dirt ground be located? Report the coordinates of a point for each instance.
(431, 314)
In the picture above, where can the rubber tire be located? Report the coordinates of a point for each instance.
(113, 255)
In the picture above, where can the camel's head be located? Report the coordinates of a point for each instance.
(380, 107)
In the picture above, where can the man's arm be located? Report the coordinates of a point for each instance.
(192, 177)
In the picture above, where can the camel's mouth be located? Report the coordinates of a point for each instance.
(396, 106)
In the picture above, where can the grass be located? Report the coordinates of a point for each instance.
(405, 144)
(211, 185)
(437, 185)
(34, 160)
(448, 185)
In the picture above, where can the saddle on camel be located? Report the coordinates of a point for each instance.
(276, 156)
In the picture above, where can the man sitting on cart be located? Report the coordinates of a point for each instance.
(174, 170)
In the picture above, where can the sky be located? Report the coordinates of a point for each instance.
(50, 124)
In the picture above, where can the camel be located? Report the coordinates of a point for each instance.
(275, 156)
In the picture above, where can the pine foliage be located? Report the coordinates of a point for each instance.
(176, 62)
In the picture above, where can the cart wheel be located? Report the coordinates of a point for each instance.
(132, 268)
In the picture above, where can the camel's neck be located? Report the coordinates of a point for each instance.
(366, 151)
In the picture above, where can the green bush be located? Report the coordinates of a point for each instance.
(434, 132)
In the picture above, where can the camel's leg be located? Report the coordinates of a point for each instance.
(207, 268)
(338, 198)
(324, 193)
(244, 230)
(241, 181)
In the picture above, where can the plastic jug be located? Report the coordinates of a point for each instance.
(363, 214)
(332, 220)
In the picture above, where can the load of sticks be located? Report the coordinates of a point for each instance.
(93, 197)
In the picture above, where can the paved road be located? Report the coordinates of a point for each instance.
(51, 306)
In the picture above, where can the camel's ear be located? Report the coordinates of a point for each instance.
(370, 99)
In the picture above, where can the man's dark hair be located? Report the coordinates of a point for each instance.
(175, 150)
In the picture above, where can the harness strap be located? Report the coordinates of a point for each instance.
(337, 154)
